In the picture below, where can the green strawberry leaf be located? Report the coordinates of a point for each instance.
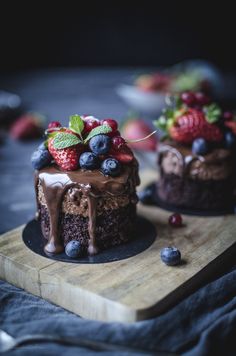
(64, 140)
(212, 113)
(103, 129)
(76, 124)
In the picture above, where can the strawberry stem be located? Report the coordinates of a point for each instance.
(141, 139)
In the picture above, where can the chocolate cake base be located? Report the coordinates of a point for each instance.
(195, 194)
(113, 227)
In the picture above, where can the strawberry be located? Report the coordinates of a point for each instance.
(67, 158)
(123, 155)
(231, 125)
(136, 129)
(28, 126)
(191, 125)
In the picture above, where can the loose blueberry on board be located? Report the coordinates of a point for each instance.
(230, 139)
(100, 144)
(73, 249)
(111, 167)
(171, 256)
(200, 146)
(176, 220)
(41, 158)
(89, 160)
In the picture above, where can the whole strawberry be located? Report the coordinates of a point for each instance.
(67, 158)
(28, 126)
(193, 124)
(134, 129)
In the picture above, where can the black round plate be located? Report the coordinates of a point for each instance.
(156, 200)
(144, 236)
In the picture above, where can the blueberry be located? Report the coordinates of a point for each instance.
(42, 146)
(200, 146)
(171, 256)
(111, 167)
(73, 249)
(100, 144)
(41, 158)
(230, 139)
(89, 160)
(147, 195)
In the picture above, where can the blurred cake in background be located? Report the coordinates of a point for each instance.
(197, 155)
(147, 93)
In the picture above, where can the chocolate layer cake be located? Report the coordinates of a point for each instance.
(194, 181)
(83, 205)
(85, 183)
(197, 158)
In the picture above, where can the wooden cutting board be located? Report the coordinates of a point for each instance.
(133, 289)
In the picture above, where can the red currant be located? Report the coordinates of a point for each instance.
(117, 142)
(54, 124)
(188, 98)
(175, 220)
(228, 115)
(202, 99)
(90, 124)
(110, 122)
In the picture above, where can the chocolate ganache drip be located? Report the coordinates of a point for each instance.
(92, 184)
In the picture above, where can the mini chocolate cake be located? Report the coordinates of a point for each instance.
(197, 159)
(194, 181)
(92, 202)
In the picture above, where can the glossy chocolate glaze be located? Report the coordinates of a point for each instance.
(92, 184)
(189, 164)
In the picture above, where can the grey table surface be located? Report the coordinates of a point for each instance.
(202, 324)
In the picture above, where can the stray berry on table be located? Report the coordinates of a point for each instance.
(171, 256)
(73, 249)
(176, 220)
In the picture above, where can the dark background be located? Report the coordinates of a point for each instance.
(112, 34)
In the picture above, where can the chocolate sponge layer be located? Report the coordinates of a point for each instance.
(113, 227)
(196, 194)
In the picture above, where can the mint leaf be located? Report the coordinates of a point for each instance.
(64, 140)
(103, 129)
(212, 113)
(76, 124)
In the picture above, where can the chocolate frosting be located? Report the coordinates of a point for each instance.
(178, 159)
(92, 184)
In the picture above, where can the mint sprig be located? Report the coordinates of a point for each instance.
(76, 124)
(103, 129)
(212, 112)
(64, 140)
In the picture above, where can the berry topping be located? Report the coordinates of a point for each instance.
(89, 160)
(230, 139)
(73, 249)
(191, 125)
(41, 158)
(188, 98)
(111, 167)
(90, 124)
(171, 256)
(175, 220)
(123, 155)
(100, 144)
(117, 142)
(231, 125)
(110, 122)
(228, 115)
(53, 125)
(200, 146)
(67, 157)
(201, 99)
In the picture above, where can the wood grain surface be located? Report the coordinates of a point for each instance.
(129, 290)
